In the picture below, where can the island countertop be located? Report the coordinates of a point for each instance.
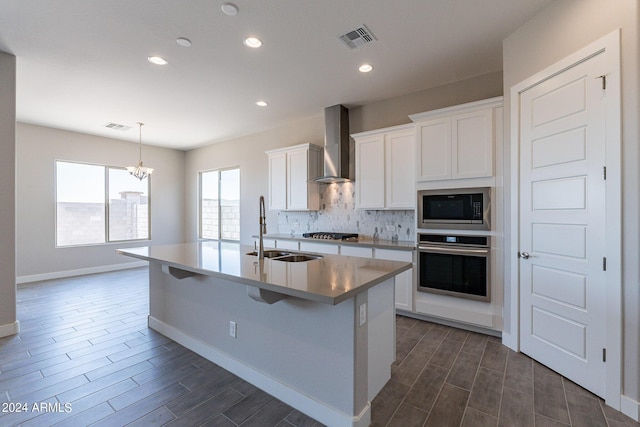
(330, 279)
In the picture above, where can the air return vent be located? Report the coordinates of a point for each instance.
(116, 126)
(358, 37)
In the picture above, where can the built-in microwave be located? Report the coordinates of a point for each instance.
(457, 209)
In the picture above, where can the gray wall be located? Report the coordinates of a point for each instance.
(37, 150)
(559, 30)
(249, 152)
(7, 194)
(395, 111)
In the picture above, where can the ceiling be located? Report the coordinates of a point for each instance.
(82, 64)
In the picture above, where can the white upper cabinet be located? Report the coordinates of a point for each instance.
(290, 170)
(385, 168)
(277, 181)
(457, 142)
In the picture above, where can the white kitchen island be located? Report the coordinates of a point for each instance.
(318, 335)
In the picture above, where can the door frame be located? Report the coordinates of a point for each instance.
(610, 44)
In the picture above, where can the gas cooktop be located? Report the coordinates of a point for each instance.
(328, 235)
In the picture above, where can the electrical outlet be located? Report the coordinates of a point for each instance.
(232, 329)
(390, 228)
(363, 313)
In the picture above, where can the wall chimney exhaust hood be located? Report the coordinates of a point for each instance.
(337, 164)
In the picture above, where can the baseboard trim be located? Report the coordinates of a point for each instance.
(630, 408)
(452, 323)
(280, 390)
(80, 272)
(10, 329)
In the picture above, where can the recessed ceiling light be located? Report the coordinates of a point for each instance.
(183, 41)
(157, 60)
(365, 68)
(262, 103)
(230, 9)
(252, 42)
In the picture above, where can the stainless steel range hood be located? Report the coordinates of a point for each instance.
(337, 165)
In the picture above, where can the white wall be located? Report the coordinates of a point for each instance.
(8, 323)
(559, 30)
(37, 150)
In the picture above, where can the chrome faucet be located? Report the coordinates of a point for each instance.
(263, 228)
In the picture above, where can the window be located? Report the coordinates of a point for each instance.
(220, 204)
(99, 204)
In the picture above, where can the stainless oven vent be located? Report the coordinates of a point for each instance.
(358, 37)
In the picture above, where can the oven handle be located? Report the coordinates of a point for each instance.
(454, 251)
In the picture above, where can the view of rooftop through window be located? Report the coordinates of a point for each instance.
(220, 204)
(85, 216)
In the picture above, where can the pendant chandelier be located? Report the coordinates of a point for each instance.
(140, 172)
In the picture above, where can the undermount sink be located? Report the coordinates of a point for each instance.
(270, 253)
(297, 258)
(286, 256)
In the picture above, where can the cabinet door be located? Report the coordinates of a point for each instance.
(370, 173)
(404, 280)
(321, 248)
(434, 149)
(277, 181)
(288, 244)
(400, 170)
(297, 170)
(472, 138)
(356, 251)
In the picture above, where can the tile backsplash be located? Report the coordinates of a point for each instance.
(338, 213)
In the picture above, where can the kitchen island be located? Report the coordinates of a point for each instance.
(318, 334)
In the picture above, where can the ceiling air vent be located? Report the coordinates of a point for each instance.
(116, 126)
(358, 37)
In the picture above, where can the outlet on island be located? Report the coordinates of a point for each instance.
(363, 313)
(232, 329)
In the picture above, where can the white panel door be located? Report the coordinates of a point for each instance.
(370, 173)
(472, 144)
(277, 181)
(400, 170)
(434, 149)
(562, 223)
(297, 171)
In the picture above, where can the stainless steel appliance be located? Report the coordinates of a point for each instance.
(454, 265)
(330, 235)
(338, 165)
(458, 209)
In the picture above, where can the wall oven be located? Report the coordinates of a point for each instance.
(459, 209)
(454, 265)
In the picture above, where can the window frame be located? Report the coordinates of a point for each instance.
(200, 204)
(107, 240)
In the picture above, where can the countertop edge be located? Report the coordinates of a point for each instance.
(406, 245)
(291, 292)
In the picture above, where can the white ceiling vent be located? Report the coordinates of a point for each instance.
(116, 126)
(358, 37)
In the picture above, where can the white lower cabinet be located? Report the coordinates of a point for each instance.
(288, 244)
(356, 251)
(321, 248)
(404, 280)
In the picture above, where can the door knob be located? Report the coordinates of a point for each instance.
(524, 255)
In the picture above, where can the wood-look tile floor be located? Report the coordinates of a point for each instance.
(85, 356)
